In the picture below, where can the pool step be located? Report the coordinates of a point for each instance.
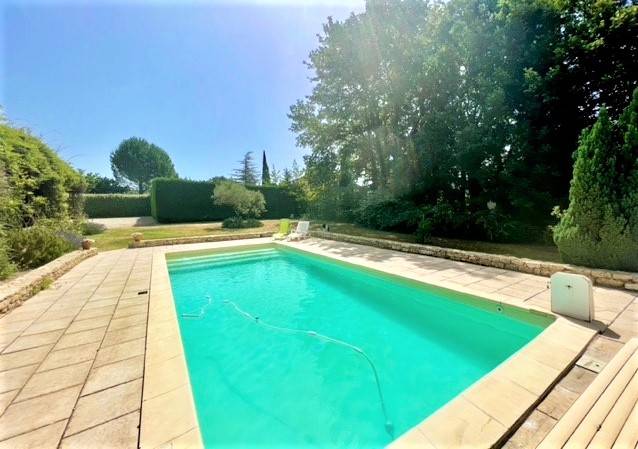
(219, 259)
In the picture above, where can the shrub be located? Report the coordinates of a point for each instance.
(42, 185)
(245, 203)
(91, 228)
(238, 223)
(7, 267)
(396, 215)
(116, 205)
(41, 243)
(181, 200)
(600, 226)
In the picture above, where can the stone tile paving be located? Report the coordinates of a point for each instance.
(72, 358)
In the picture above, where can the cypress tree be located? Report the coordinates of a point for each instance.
(600, 227)
(265, 171)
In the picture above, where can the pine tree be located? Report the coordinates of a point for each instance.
(600, 227)
(246, 173)
(275, 176)
(265, 171)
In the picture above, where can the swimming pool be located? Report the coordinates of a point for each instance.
(382, 354)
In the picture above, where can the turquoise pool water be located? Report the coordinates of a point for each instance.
(258, 385)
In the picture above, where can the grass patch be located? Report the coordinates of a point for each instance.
(121, 238)
(547, 253)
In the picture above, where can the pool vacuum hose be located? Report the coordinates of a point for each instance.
(389, 427)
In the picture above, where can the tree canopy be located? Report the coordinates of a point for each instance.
(137, 162)
(246, 173)
(102, 184)
(461, 104)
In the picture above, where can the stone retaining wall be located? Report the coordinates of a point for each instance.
(606, 278)
(15, 291)
(198, 239)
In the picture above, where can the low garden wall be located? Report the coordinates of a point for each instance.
(605, 278)
(198, 239)
(15, 291)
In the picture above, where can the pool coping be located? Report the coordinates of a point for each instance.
(483, 415)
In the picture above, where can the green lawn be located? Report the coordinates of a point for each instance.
(120, 238)
(531, 251)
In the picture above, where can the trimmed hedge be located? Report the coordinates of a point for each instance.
(110, 205)
(180, 200)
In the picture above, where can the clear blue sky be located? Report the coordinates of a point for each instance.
(206, 81)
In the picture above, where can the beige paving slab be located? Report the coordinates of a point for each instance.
(33, 341)
(557, 402)
(7, 339)
(113, 374)
(165, 376)
(462, 425)
(32, 414)
(22, 358)
(88, 324)
(578, 379)
(123, 335)
(167, 417)
(127, 321)
(6, 398)
(41, 326)
(501, 399)
(120, 433)
(531, 432)
(80, 338)
(128, 310)
(53, 380)
(599, 353)
(121, 351)
(105, 405)
(95, 312)
(43, 438)
(70, 356)
(161, 349)
(15, 378)
(15, 326)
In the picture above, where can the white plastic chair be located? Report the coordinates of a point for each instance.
(301, 232)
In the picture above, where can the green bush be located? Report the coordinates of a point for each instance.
(390, 215)
(7, 267)
(42, 185)
(41, 243)
(181, 200)
(109, 205)
(238, 223)
(90, 228)
(246, 203)
(600, 227)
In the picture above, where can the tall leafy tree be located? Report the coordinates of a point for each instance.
(137, 162)
(246, 173)
(462, 103)
(265, 171)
